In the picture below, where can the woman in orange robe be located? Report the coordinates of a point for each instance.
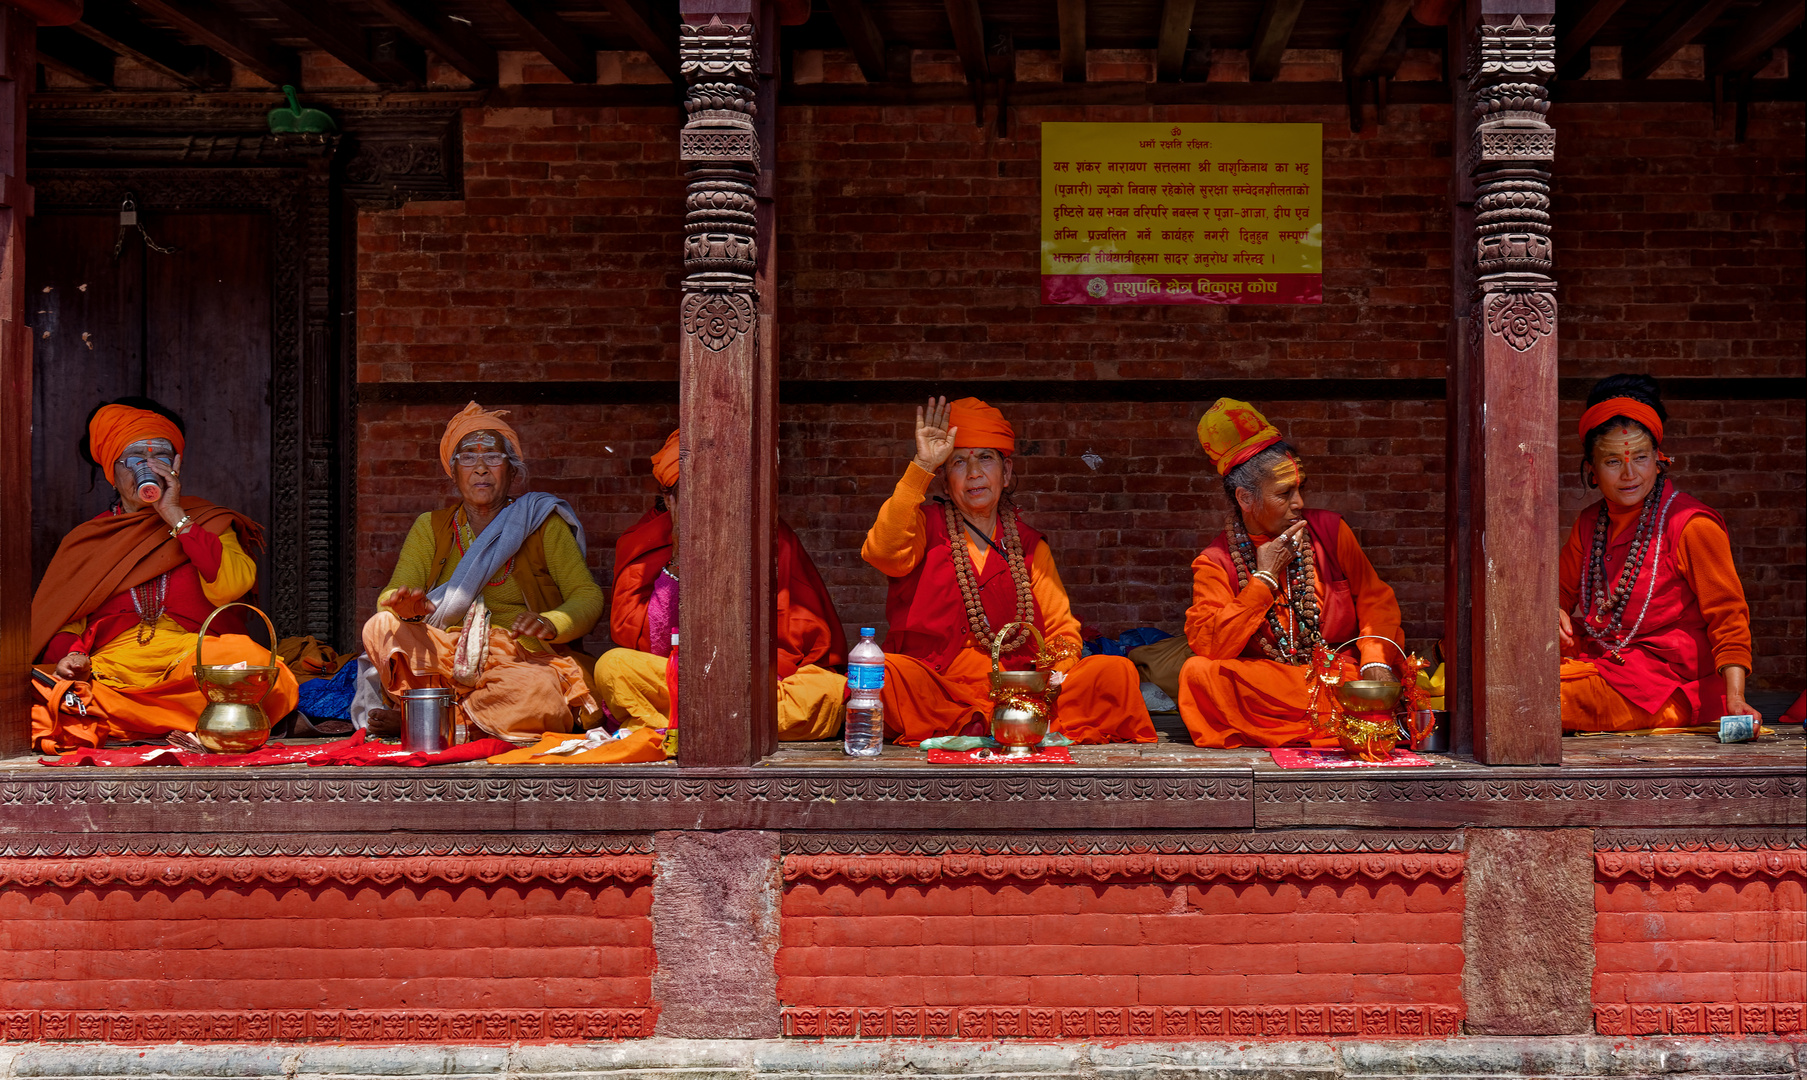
(126, 592)
(938, 650)
(1279, 580)
(1654, 626)
(632, 679)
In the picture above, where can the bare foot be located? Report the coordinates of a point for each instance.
(383, 723)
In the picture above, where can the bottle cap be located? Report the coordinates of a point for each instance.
(674, 637)
(868, 631)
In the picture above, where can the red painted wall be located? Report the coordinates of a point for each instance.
(907, 250)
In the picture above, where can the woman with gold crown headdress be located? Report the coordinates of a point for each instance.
(962, 569)
(1280, 580)
(122, 600)
(502, 575)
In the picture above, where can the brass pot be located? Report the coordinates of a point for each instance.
(1369, 695)
(234, 721)
(1021, 701)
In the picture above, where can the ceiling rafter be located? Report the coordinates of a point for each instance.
(379, 59)
(68, 53)
(230, 37)
(1374, 32)
(551, 36)
(1748, 43)
(116, 26)
(657, 37)
(1573, 39)
(455, 42)
(1072, 40)
(863, 37)
(1273, 30)
(1681, 24)
(1176, 34)
(969, 37)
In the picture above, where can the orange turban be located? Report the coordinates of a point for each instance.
(1234, 431)
(665, 462)
(1630, 408)
(116, 427)
(981, 427)
(473, 418)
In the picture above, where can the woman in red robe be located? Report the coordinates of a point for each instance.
(1655, 629)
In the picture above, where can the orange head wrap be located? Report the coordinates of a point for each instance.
(116, 427)
(665, 462)
(1234, 431)
(473, 418)
(981, 427)
(1630, 408)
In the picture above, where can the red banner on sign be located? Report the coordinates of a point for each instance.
(1183, 289)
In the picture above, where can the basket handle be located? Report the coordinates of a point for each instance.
(201, 636)
(1376, 637)
(997, 643)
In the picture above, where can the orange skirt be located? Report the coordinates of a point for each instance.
(1248, 702)
(1589, 703)
(1100, 701)
(149, 712)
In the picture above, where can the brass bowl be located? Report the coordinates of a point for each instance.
(1017, 729)
(1369, 695)
(1032, 682)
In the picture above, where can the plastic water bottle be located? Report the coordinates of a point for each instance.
(864, 735)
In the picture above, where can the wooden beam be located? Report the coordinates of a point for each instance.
(1373, 32)
(231, 38)
(1572, 39)
(116, 26)
(18, 69)
(1072, 40)
(863, 37)
(969, 37)
(1272, 31)
(345, 41)
(454, 42)
(1679, 25)
(1176, 33)
(68, 53)
(550, 36)
(656, 36)
(1751, 40)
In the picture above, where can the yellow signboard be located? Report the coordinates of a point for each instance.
(1182, 213)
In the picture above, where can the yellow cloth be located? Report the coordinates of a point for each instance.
(126, 664)
(632, 684)
(639, 745)
(572, 619)
(899, 539)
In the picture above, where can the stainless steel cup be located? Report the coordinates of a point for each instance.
(427, 719)
(1436, 740)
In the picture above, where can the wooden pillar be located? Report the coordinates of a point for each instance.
(1508, 378)
(727, 392)
(18, 69)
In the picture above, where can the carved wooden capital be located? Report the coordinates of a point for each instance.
(1509, 152)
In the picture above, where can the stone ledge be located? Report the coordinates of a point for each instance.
(772, 1059)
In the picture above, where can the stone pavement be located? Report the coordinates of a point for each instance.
(697, 1059)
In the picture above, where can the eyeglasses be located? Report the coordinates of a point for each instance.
(469, 460)
(133, 459)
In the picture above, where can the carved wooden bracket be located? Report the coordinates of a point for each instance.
(1508, 76)
(721, 231)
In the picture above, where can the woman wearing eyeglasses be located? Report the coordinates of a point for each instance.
(116, 615)
(486, 593)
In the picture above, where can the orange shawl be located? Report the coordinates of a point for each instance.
(104, 555)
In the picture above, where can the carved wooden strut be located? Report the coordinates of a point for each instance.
(719, 142)
(1509, 158)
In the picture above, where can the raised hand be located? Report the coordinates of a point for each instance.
(934, 439)
(1278, 553)
(169, 507)
(411, 603)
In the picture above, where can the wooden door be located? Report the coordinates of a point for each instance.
(190, 329)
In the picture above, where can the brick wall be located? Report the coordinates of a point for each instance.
(220, 948)
(1093, 958)
(1701, 953)
(907, 242)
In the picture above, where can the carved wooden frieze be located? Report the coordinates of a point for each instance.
(1114, 1022)
(721, 231)
(325, 1025)
(1288, 842)
(1147, 866)
(315, 870)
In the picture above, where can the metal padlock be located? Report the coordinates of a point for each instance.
(128, 214)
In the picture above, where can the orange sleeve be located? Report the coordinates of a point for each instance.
(1376, 608)
(1569, 569)
(1221, 620)
(1705, 558)
(1058, 620)
(897, 540)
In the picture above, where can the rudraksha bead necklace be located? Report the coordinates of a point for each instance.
(1298, 594)
(969, 578)
(1603, 612)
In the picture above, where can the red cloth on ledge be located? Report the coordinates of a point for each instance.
(352, 751)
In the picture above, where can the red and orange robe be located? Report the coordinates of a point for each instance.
(142, 682)
(937, 678)
(1696, 625)
(632, 680)
(1231, 693)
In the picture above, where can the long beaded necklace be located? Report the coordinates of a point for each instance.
(466, 538)
(1298, 595)
(969, 578)
(1603, 617)
(148, 600)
